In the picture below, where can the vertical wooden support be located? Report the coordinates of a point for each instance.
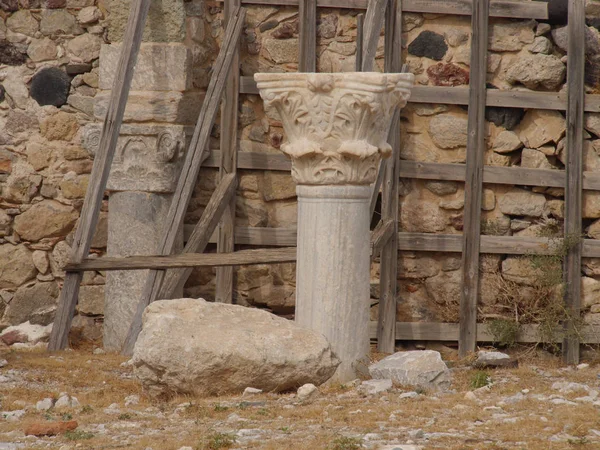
(474, 178)
(229, 126)
(386, 325)
(374, 19)
(360, 21)
(307, 59)
(100, 171)
(573, 193)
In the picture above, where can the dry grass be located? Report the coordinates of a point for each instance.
(337, 420)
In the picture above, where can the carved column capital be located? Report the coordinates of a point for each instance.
(336, 124)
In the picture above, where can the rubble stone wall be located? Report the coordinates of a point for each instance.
(57, 58)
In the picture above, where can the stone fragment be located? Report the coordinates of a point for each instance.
(456, 37)
(442, 74)
(159, 67)
(307, 392)
(165, 21)
(40, 261)
(21, 185)
(592, 123)
(494, 359)
(327, 26)
(42, 50)
(57, 22)
(539, 127)
(11, 55)
(520, 270)
(16, 265)
(54, 4)
(506, 142)
(73, 185)
(519, 202)
(537, 71)
(421, 368)
(60, 126)
(50, 86)
(84, 48)
(264, 351)
(89, 14)
(250, 391)
(560, 36)
(29, 300)
(542, 29)
(421, 216)
(590, 291)
(66, 401)
(541, 45)
(373, 387)
(448, 131)
(591, 205)
(285, 31)
(9, 5)
(282, 51)
(534, 159)
(442, 187)
(47, 218)
(488, 202)
(50, 428)
(14, 84)
(78, 68)
(91, 300)
(511, 36)
(508, 118)
(44, 405)
(23, 22)
(593, 231)
(278, 186)
(428, 44)
(25, 333)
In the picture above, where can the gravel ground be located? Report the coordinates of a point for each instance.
(539, 405)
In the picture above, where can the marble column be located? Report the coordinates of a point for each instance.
(336, 127)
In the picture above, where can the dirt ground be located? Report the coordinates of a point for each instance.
(533, 406)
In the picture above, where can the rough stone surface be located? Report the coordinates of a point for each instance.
(511, 35)
(519, 202)
(50, 87)
(22, 22)
(42, 50)
(447, 75)
(50, 428)
(57, 22)
(561, 39)
(165, 22)
(373, 387)
(448, 131)
(428, 44)
(16, 265)
(421, 368)
(25, 333)
(508, 118)
(534, 159)
(539, 127)
(29, 300)
(487, 359)
(181, 349)
(84, 48)
(506, 142)
(537, 71)
(45, 219)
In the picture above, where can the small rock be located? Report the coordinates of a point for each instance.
(494, 359)
(428, 44)
(66, 401)
(132, 400)
(581, 366)
(50, 428)
(411, 394)
(372, 387)
(3, 362)
(98, 351)
(50, 86)
(249, 391)
(307, 392)
(470, 396)
(112, 409)
(44, 405)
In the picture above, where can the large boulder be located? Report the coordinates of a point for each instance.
(191, 346)
(422, 369)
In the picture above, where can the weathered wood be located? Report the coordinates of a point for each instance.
(498, 8)
(474, 179)
(228, 144)
(574, 172)
(360, 22)
(449, 332)
(382, 233)
(389, 195)
(100, 171)
(191, 167)
(377, 187)
(307, 59)
(198, 240)
(374, 20)
(156, 262)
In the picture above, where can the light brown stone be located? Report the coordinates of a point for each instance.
(60, 126)
(448, 131)
(278, 186)
(532, 159)
(536, 71)
(520, 270)
(42, 50)
(165, 22)
(45, 219)
(590, 291)
(73, 185)
(89, 14)
(16, 265)
(506, 142)
(282, 51)
(85, 48)
(507, 36)
(58, 21)
(591, 205)
(40, 261)
(31, 300)
(91, 300)
(22, 21)
(519, 202)
(539, 127)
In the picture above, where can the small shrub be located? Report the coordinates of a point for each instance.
(87, 409)
(217, 441)
(504, 331)
(67, 416)
(220, 408)
(480, 379)
(78, 435)
(124, 416)
(346, 443)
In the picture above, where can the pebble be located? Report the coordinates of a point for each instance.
(112, 409)
(44, 405)
(249, 391)
(307, 392)
(470, 396)
(411, 394)
(372, 387)
(13, 416)
(66, 401)
(3, 362)
(98, 351)
(133, 400)
(583, 366)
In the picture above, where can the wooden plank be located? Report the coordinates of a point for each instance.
(498, 8)
(264, 237)
(198, 240)
(100, 171)
(449, 332)
(307, 58)
(474, 179)
(360, 22)
(574, 172)
(381, 235)
(156, 262)
(371, 30)
(228, 164)
(389, 195)
(191, 166)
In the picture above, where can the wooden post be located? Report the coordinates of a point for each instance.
(307, 54)
(100, 171)
(573, 192)
(386, 326)
(191, 167)
(474, 178)
(360, 22)
(229, 126)
(371, 30)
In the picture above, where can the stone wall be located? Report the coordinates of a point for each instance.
(57, 60)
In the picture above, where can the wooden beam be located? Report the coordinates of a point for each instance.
(449, 332)
(498, 8)
(381, 235)
(191, 166)
(228, 164)
(162, 262)
(574, 172)
(199, 239)
(307, 57)
(474, 179)
(360, 22)
(100, 171)
(389, 194)
(374, 20)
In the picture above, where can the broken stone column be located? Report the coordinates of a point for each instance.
(157, 126)
(337, 127)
